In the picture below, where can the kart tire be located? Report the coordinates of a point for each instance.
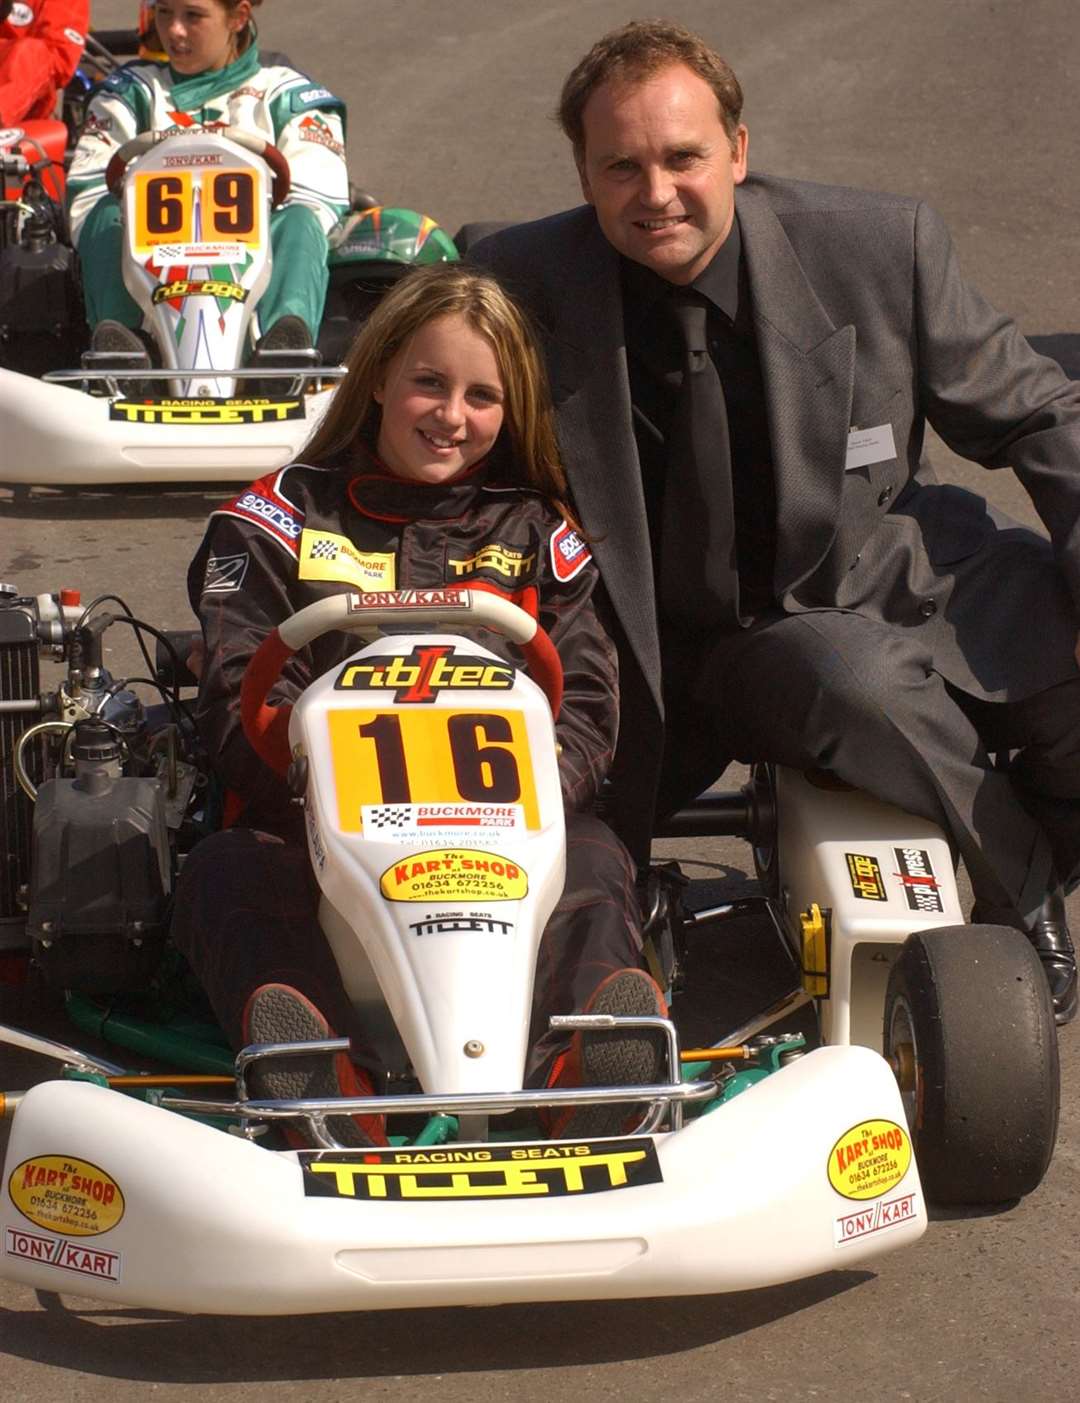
(470, 234)
(969, 1029)
(763, 845)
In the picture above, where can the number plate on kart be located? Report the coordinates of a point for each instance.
(171, 206)
(437, 1173)
(437, 757)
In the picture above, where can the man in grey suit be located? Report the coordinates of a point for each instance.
(743, 368)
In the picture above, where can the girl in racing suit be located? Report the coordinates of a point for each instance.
(436, 464)
(214, 77)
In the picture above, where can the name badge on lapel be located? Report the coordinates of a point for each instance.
(867, 446)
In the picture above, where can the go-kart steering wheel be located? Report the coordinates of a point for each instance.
(267, 727)
(251, 141)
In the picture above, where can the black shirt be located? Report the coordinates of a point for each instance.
(655, 354)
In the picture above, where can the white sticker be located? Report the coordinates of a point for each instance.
(440, 823)
(198, 253)
(60, 1252)
(10, 135)
(875, 1218)
(867, 446)
(462, 923)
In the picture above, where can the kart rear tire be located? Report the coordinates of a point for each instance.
(470, 234)
(969, 1028)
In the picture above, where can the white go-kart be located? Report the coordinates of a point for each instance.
(196, 258)
(435, 829)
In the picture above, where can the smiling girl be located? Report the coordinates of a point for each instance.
(436, 464)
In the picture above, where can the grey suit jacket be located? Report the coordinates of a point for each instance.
(862, 320)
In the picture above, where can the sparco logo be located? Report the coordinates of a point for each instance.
(917, 875)
(288, 525)
(426, 671)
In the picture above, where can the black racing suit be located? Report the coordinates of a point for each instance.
(246, 905)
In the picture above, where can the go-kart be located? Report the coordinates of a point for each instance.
(435, 829)
(196, 258)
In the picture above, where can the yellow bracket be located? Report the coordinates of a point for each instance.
(815, 952)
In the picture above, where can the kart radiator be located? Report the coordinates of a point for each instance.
(19, 681)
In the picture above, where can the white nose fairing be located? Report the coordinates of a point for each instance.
(435, 826)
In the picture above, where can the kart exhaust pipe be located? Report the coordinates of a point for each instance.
(19, 683)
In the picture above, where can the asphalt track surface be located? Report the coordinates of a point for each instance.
(971, 105)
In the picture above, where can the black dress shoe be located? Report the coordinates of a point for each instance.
(1049, 934)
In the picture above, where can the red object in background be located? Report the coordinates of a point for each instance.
(14, 967)
(51, 136)
(41, 42)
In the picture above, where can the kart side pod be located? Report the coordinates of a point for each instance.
(810, 1171)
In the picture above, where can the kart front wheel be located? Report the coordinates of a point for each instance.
(969, 1031)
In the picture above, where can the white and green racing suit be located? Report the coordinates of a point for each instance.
(304, 120)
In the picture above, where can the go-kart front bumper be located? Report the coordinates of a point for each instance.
(109, 1197)
(56, 435)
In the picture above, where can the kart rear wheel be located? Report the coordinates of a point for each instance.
(969, 1030)
(763, 839)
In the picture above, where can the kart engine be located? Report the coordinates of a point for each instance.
(97, 793)
(41, 317)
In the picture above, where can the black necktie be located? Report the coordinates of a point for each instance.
(698, 579)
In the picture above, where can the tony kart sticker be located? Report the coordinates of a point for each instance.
(67, 1196)
(59, 1252)
(410, 599)
(876, 1218)
(869, 1159)
(454, 875)
(446, 1173)
(194, 158)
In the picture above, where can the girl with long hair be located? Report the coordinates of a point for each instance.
(436, 464)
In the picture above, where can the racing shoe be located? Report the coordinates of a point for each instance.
(278, 1013)
(617, 1058)
(287, 345)
(1049, 934)
(115, 346)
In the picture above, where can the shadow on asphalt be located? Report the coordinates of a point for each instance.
(146, 1346)
(131, 502)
